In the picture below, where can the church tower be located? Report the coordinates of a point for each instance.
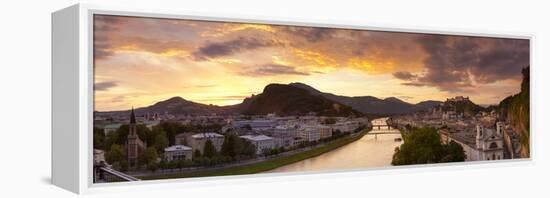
(133, 139)
(479, 137)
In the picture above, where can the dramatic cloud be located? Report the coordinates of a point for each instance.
(272, 69)
(113, 34)
(310, 34)
(104, 86)
(458, 63)
(104, 24)
(217, 62)
(118, 99)
(226, 48)
(404, 75)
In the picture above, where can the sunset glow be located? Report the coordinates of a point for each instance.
(140, 61)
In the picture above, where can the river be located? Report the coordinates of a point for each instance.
(368, 152)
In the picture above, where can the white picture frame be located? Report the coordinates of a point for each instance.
(72, 100)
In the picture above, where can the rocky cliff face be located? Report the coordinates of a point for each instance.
(515, 109)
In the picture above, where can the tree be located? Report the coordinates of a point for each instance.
(163, 164)
(421, 146)
(247, 126)
(455, 153)
(248, 149)
(180, 164)
(123, 130)
(228, 146)
(209, 149)
(232, 145)
(152, 166)
(99, 139)
(148, 156)
(110, 139)
(197, 154)
(115, 154)
(161, 141)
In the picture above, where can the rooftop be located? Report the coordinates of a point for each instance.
(177, 148)
(206, 135)
(112, 126)
(256, 137)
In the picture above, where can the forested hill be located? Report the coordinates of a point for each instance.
(289, 100)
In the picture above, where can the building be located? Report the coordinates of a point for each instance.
(480, 144)
(325, 131)
(111, 128)
(99, 156)
(347, 126)
(490, 142)
(262, 142)
(298, 140)
(310, 133)
(178, 152)
(451, 115)
(151, 123)
(458, 99)
(467, 143)
(197, 141)
(183, 138)
(256, 125)
(284, 136)
(134, 145)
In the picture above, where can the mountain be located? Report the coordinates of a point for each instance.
(177, 105)
(425, 105)
(294, 98)
(291, 100)
(515, 109)
(372, 105)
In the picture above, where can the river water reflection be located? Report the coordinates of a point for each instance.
(368, 152)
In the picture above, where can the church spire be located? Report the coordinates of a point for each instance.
(132, 117)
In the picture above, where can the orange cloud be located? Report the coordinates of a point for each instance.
(372, 67)
(228, 28)
(316, 57)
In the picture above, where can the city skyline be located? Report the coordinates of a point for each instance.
(140, 61)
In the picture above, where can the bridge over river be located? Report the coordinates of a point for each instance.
(373, 150)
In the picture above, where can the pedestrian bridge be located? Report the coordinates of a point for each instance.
(381, 133)
(106, 174)
(381, 126)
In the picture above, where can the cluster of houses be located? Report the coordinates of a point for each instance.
(483, 136)
(264, 132)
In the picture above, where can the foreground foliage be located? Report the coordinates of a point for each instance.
(423, 146)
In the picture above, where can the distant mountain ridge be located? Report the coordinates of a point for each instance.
(287, 99)
(177, 105)
(373, 105)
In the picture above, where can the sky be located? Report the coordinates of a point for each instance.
(140, 61)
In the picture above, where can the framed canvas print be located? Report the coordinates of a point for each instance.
(161, 96)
